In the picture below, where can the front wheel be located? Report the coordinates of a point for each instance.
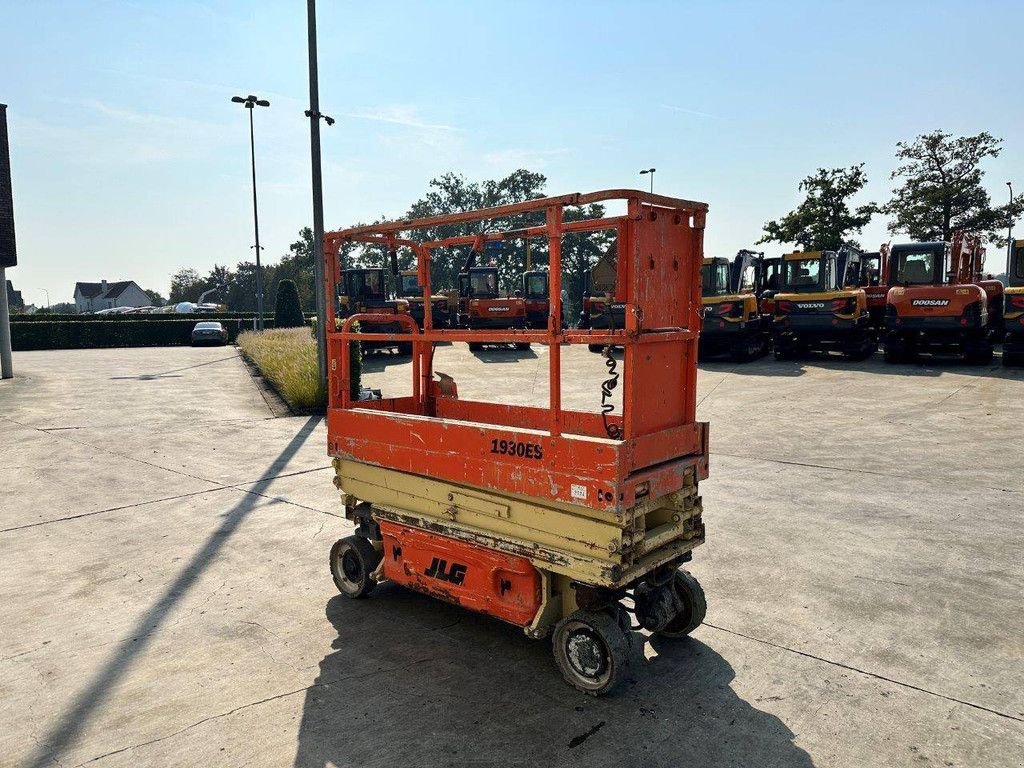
(592, 649)
(693, 606)
(353, 561)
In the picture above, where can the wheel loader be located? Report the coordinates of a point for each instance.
(569, 524)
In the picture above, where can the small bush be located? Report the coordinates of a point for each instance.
(287, 309)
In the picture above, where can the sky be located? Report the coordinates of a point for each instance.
(130, 162)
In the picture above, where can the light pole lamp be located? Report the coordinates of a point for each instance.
(250, 102)
(651, 172)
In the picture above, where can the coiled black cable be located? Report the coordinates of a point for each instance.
(614, 431)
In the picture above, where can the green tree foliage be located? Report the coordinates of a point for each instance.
(64, 308)
(186, 285)
(941, 188)
(287, 310)
(156, 298)
(452, 193)
(824, 219)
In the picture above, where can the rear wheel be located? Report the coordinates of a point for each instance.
(596, 348)
(1013, 359)
(978, 354)
(693, 606)
(591, 649)
(353, 560)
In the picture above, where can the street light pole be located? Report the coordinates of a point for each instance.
(1009, 234)
(47, 297)
(313, 113)
(251, 102)
(651, 172)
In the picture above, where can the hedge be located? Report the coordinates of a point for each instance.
(77, 334)
(47, 317)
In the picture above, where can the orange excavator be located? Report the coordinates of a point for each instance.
(939, 303)
(480, 304)
(875, 282)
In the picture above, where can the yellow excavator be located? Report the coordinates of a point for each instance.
(1013, 308)
(821, 307)
(732, 320)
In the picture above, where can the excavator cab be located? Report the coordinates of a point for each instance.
(410, 289)
(1013, 308)
(535, 294)
(939, 303)
(820, 306)
(364, 290)
(732, 320)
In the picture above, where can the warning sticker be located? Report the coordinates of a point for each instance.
(579, 491)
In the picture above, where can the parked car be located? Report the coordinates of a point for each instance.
(209, 333)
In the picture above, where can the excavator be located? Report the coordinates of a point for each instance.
(1013, 317)
(874, 279)
(600, 310)
(820, 306)
(409, 288)
(535, 296)
(732, 319)
(939, 303)
(364, 289)
(480, 306)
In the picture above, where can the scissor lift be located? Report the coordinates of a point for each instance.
(558, 521)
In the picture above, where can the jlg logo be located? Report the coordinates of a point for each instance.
(930, 302)
(439, 570)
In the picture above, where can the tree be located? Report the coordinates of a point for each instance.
(824, 219)
(287, 310)
(156, 298)
(452, 193)
(186, 285)
(941, 188)
(64, 308)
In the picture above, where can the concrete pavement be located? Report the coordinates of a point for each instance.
(165, 600)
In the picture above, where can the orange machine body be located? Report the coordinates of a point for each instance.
(498, 584)
(603, 461)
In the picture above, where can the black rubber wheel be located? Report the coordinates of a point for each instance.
(591, 649)
(523, 345)
(475, 346)
(405, 349)
(979, 355)
(353, 559)
(596, 348)
(694, 606)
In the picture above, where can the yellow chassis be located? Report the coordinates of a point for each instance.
(567, 543)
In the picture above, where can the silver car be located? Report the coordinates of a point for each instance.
(209, 333)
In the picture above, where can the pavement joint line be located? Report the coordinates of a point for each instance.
(267, 700)
(849, 469)
(866, 673)
(116, 509)
(724, 377)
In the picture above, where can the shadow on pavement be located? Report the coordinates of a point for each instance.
(412, 681)
(504, 355)
(94, 694)
(172, 374)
